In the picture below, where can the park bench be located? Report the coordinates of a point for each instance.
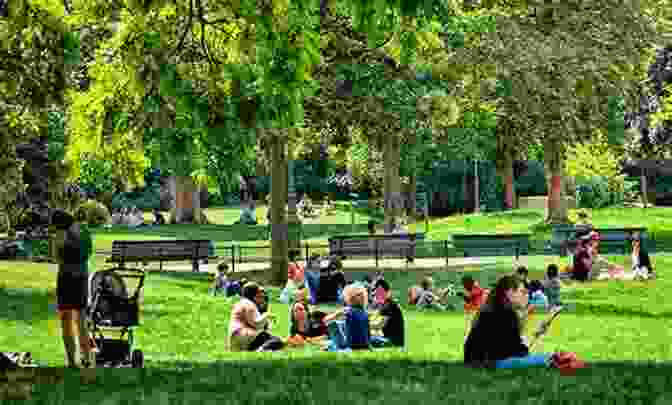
(378, 246)
(612, 240)
(492, 245)
(563, 237)
(128, 251)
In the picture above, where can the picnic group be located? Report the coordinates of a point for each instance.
(368, 316)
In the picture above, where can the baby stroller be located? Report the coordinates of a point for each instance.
(113, 311)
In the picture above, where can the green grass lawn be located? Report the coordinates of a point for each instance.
(622, 328)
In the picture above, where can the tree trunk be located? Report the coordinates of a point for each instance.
(556, 207)
(392, 184)
(412, 199)
(644, 190)
(187, 201)
(477, 191)
(279, 231)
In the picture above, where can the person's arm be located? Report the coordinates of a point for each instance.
(334, 315)
(254, 319)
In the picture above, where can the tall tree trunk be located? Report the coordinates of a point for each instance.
(412, 199)
(392, 183)
(477, 191)
(279, 231)
(556, 207)
(187, 201)
(644, 188)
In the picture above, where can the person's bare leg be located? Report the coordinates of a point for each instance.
(85, 343)
(70, 332)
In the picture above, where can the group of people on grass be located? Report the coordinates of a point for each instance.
(134, 217)
(588, 264)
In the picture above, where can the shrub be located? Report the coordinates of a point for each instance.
(532, 182)
(93, 213)
(598, 159)
(595, 193)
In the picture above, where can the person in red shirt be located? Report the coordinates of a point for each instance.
(474, 295)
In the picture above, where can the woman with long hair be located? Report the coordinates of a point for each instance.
(495, 339)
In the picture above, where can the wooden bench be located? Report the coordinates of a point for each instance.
(563, 237)
(130, 251)
(612, 240)
(378, 246)
(492, 245)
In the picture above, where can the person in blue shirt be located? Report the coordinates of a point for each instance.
(349, 328)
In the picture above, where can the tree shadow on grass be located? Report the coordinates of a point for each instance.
(333, 379)
(25, 304)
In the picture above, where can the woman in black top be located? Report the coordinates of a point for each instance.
(73, 248)
(495, 338)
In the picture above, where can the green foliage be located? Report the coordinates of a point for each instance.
(56, 128)
(533, 181)
(595, 192)
(93, 213)
(96, 175)
(596, 159)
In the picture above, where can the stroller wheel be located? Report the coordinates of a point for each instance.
(137, 359)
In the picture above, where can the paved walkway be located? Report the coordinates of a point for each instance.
(354, 265)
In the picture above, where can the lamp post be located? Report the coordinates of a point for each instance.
(293, 220)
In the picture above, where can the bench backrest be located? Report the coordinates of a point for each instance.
(368, 247)
(494, 245)
(173, 249)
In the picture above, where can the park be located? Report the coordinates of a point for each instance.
(190, 144)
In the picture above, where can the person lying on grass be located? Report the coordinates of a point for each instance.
(495, 338)
(248, 327)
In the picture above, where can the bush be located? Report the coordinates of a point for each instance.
(93, 213)
(147, 199)
(595, 193)
(597, 159)
(532, 182)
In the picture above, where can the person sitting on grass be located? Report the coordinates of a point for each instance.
(552, 286)
(158, 218)
(221, 279)
(295, 277)
(427, 299)
(537, 298)
(393, 318)
(523, 274)
(583, 260)
(305, 324)
(474, 296)
(349, 327)
(495, 338)
(248, 327)
(641, 262)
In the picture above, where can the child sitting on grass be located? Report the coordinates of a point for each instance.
(305, 324)
(537, 298)
(423, 297)
(552, 286)
(353, 332)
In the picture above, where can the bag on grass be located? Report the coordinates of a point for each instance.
(566, 362)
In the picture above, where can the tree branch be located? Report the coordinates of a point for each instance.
(187, 28)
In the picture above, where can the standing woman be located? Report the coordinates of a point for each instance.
(73, 246)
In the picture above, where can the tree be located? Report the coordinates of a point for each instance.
(562, 69)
